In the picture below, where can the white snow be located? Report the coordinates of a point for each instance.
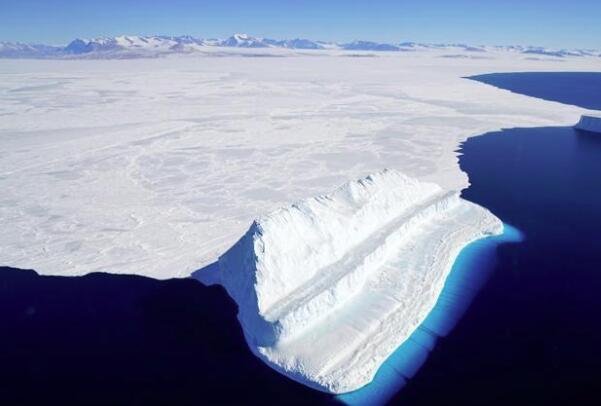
(590, 123)
(329, 287)
(158, 166)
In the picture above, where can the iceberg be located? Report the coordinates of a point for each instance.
(330, 286)
(589, 123)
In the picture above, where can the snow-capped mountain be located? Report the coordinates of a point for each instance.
(297, 43)
(244, 41)
(126, 42)
(557, 52)
(369, 46)
(247, 41)
(21, 50)
(136, 46)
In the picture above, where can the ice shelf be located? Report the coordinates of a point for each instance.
(330, 286)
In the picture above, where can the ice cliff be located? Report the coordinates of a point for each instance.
(329, 287)
(589, 123)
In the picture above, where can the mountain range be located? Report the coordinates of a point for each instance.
(135, 46)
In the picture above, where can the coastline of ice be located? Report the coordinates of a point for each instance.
(329, 287)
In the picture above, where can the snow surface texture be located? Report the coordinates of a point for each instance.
(158, 166)
(329, 287)
(590, 123)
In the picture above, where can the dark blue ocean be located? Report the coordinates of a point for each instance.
(532, 335)
(529, 332)
(578, 88)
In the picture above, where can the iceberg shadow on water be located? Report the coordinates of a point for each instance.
(470, 272)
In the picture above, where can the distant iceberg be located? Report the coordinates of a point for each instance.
(589, 123)
(329, 287)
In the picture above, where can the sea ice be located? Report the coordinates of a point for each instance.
(329, 287)
(158, 166)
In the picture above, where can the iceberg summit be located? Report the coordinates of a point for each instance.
(330, 286)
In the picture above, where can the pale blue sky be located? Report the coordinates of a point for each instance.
(555, 23)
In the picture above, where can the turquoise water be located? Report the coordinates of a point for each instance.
(470, 271)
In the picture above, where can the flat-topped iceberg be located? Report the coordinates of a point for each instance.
(589, 123)
(329, 287)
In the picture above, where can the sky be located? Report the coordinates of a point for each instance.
(552, 23)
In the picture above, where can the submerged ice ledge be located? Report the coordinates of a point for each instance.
(329, 287)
